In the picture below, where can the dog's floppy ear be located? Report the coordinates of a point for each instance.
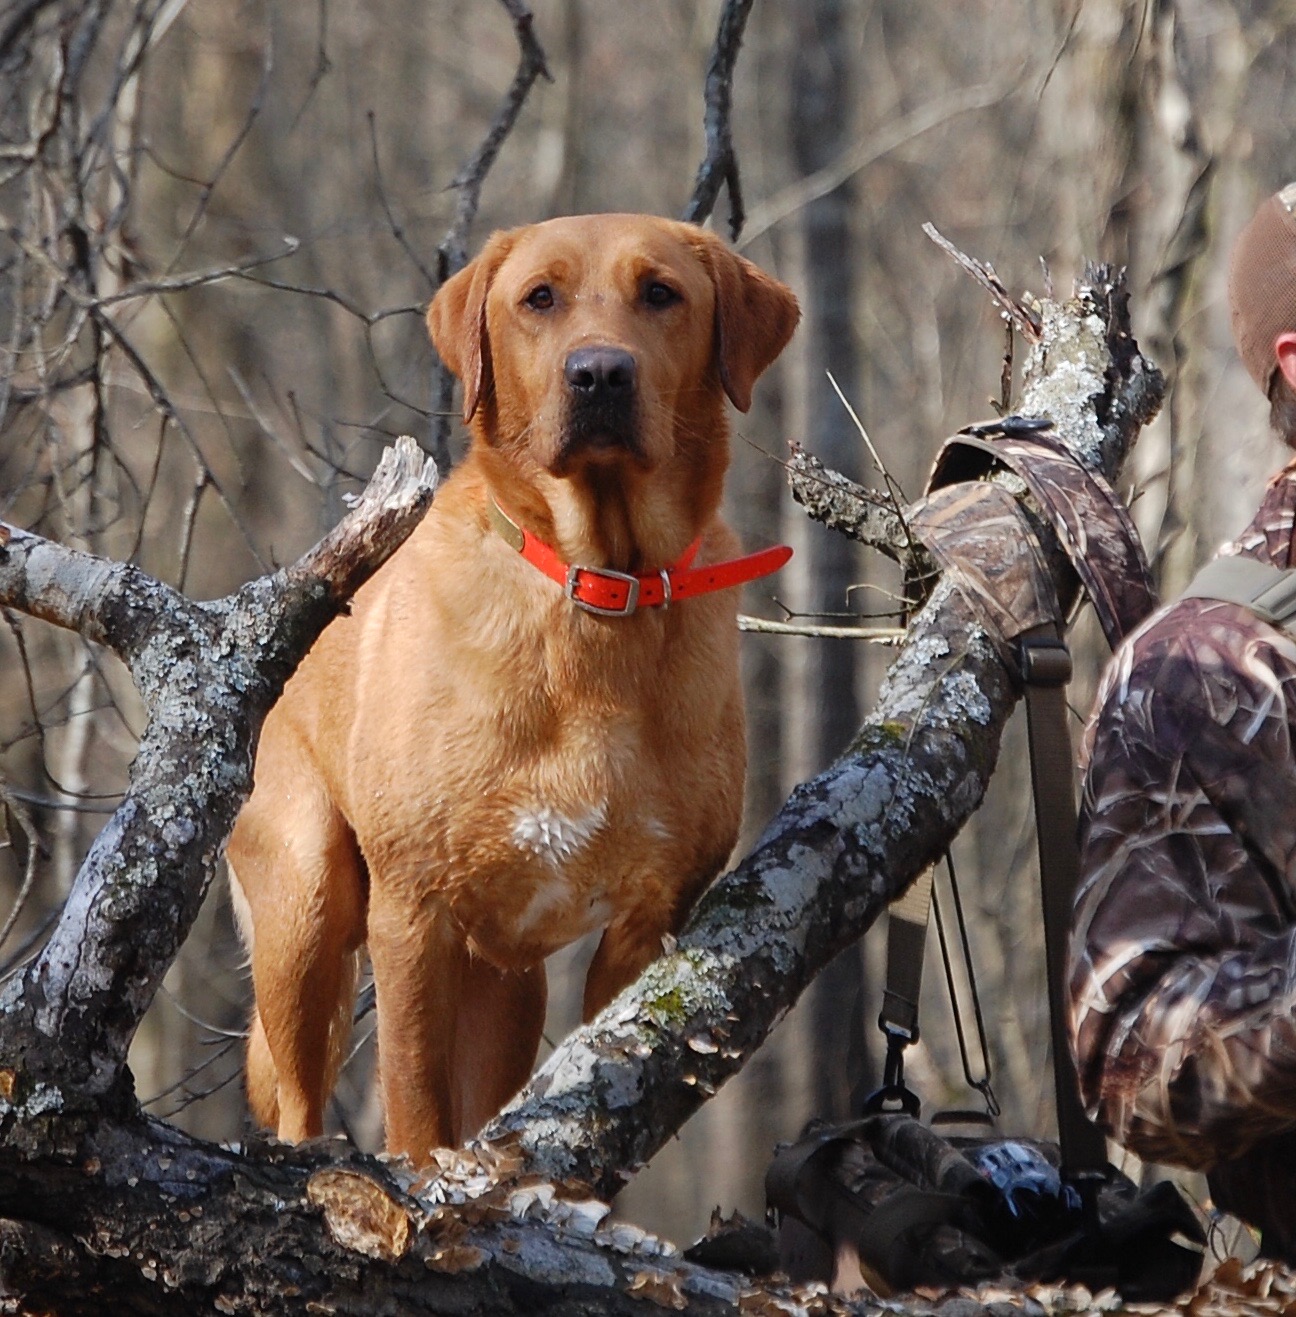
(755, 317)
(456, 320)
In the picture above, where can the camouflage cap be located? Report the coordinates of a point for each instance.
(1262, 284)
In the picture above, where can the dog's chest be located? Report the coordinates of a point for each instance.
(556, 838)
(562, 843)
(555, 784)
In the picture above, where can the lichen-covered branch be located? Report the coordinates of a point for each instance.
(843, 505)
(844, 844)
(184, 1227)
(208, 674)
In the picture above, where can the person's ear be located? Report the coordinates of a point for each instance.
(1285, 352)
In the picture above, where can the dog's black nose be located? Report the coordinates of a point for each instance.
(601, 374)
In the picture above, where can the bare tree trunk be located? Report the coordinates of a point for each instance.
(822, 119)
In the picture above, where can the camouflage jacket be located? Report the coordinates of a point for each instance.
(1183, 956)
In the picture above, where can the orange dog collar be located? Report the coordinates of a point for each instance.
(618, 594)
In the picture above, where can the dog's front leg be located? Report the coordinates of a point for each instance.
(497, 1035)
(457, 1036)
(418, 961)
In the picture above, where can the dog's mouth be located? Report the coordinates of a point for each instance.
(599, 436)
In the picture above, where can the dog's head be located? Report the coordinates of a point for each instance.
(607, 340)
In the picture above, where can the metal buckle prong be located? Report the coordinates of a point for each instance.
(666, 588)
(631, 584)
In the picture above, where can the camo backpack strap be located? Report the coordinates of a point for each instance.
(1090, 520)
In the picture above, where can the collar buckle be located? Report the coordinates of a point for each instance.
(630, 582)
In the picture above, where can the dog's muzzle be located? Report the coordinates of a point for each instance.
(602, 403)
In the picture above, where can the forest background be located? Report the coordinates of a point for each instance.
(309, 147)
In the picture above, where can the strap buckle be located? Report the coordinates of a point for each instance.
(894, 1089)
(1045, 660)
(1279, 599)
(607, 574)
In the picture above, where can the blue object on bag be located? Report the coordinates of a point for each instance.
(1029, 1185)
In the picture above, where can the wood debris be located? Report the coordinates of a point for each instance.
(361, 1213)
(664, 1288)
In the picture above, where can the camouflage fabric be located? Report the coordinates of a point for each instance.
(1091, 522)
(1183, 956)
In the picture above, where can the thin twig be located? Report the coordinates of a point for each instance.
(1006, 369)
(75, 805)
(31, 946)
(1025, 317)
(187, 521)
(397, 229)
(899, 500)
(323, 65)
(452, 254)
(720, 164)
(897, 494)
(9, 801)
(196, 279)
(879, 635)
(227, 158)
(217, 1032)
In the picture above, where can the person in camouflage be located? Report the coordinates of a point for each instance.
(1183, 956)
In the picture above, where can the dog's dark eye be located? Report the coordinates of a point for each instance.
(540, 298)
(660, 294)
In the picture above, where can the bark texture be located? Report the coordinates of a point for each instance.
(104, 1210)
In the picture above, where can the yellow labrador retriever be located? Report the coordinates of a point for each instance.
(530, 726)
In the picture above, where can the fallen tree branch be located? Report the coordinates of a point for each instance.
(185, 1227)
(208, 673)
(852, 509)
(878, 635)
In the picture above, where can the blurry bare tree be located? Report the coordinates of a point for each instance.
(220, 228)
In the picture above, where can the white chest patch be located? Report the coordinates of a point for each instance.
(556, 837)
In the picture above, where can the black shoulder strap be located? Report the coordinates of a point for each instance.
(1045, 666)
(1046, 669)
